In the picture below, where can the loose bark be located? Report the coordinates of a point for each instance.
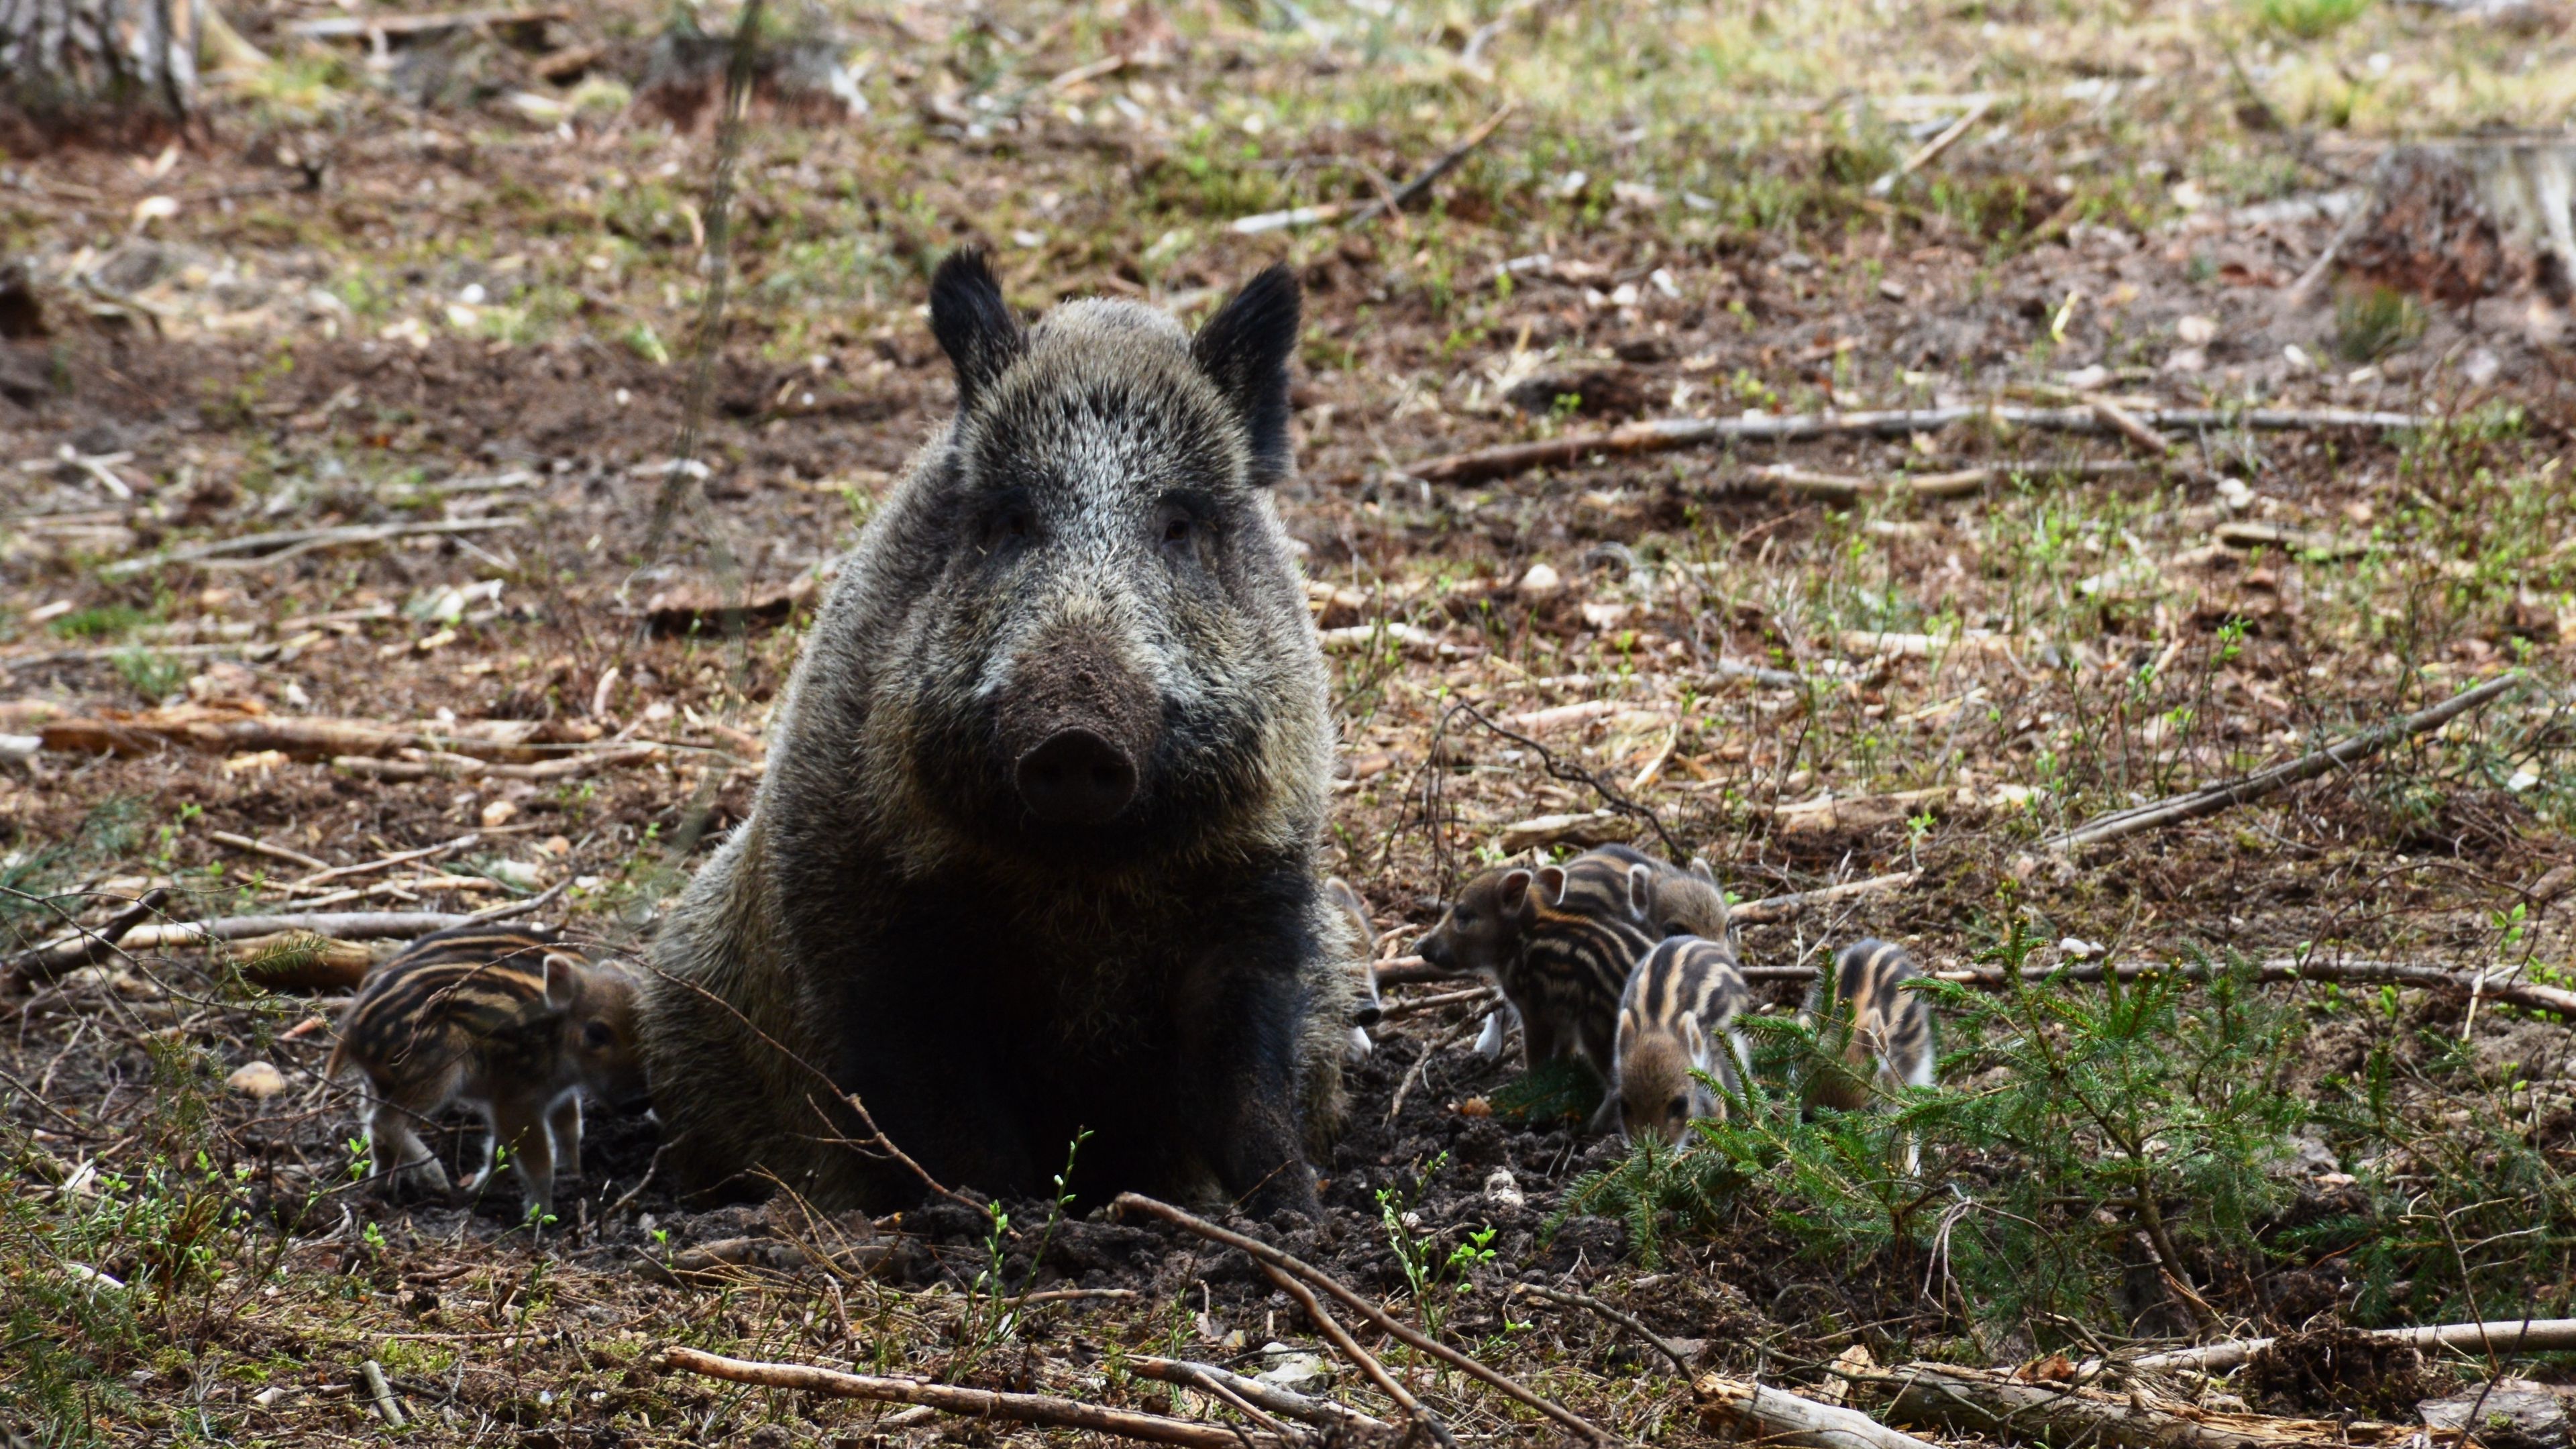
(1191, 1374)
(2210, 799)
(2529, 1335)
(1664, 435)
(1776, 1416)
(1043, 1409)
(1992, 1403)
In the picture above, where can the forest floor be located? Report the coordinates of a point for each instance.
(450, 290)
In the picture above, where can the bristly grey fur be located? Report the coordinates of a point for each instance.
(888, 879)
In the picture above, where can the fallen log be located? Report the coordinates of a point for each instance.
(2529, 1335)
(84, 948)
(1664, 435)
(1993, 1403)
(301, 961)
(1776, 1416)
(1042, 1409)
(227, 730)
(2210, 799)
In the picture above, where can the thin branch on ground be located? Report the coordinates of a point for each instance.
(2210, 799)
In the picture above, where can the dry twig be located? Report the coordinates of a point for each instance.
(2210, 799)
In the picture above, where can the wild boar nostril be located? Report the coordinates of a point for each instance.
(1075, 777)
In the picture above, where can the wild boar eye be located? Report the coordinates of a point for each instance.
(596, 1035)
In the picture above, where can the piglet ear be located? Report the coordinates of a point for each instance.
(563, 982)
(1551, 885)
(1514, 889)
(1641, 891)
(973, 324)
(1700, 867)
(1244, 350)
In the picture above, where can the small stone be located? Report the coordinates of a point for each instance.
(1502, 1191)
(500, 812)
(2234, 493)
(257, 1080)
(2196, 330)
(1541, 583)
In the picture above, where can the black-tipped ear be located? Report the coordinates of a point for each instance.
(1244, 348)
(973, 324)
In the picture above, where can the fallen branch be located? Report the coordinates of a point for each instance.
(1845, 488)
(1045, 1409)
(293, 541)
(86, 948)
(343, 925)
(1297, 1406)
(1663, 435)
(2530, 1335)
(1776, 1416)
(1264, 1253)
(1992, 1403)
(2210, 799)
(385, 862)
(344, 27)
(2128, 425)
(262, 847)
(1399, 1010)
(1932, 149)
(1657, 1342)
(1404, 195)
(442, 765)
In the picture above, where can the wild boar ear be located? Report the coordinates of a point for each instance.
(973, 324)
(1244, 350)
(1700, 867)
(1551, 884)
(1641, 891)
(1513, 890)
(1695, 1041)
(563, 982)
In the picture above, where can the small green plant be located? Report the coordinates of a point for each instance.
(2305, 19)
(101, 621)
(154, 676)
(2370, 325)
